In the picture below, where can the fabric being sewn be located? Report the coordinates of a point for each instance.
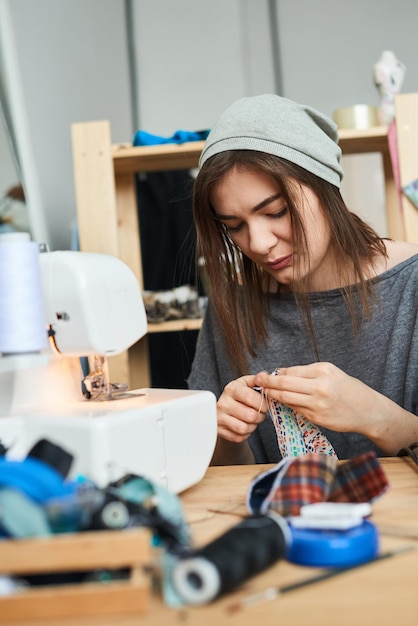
(296, 435)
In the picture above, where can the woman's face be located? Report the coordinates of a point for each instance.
(250, 205)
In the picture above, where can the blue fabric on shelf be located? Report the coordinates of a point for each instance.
(36, 479)
(142, 138)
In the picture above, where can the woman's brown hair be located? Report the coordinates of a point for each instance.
(238, 286)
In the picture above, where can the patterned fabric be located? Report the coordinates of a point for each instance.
(296, 435)
(311, 478)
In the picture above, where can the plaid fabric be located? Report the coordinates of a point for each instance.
(360, 480)
(316, 478)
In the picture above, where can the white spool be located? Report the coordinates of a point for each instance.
(22, 319)
(196, 580)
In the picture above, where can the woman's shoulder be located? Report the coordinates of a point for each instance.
(398, 252)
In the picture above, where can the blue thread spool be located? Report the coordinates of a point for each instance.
(242, 552)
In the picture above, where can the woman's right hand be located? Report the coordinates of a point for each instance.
(240, 409)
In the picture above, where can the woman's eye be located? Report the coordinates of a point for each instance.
(237, 227)
(280, 213)
(233, 229)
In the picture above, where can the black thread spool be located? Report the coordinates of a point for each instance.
(242, 552)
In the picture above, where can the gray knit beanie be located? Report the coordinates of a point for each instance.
(278, 126)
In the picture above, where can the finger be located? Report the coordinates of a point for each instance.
(243, 401)
(239, 435)
(311, 406)
(285, 382)
(241, 413)
(312, 370)
(299, 402)
(233, 425)
(236, 421)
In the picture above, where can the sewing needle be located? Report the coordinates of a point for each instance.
(271, 593)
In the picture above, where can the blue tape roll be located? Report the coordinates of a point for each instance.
(334, 548)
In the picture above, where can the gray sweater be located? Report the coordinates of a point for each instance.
(384, 355)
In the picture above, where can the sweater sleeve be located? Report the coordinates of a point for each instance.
(204, 373)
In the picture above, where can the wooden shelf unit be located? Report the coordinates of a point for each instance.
(107, 206)
(375, 139)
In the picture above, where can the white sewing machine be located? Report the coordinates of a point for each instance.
(94, 309)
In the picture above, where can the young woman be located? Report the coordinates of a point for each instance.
(299, 283)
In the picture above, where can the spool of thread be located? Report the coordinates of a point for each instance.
(242, 552)
(22, 321)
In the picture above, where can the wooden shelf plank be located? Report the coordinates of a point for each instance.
(130, 159)
(171, 156)
(175, 326)
(374, 139)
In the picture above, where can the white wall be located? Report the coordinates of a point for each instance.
(73, 67)
(328, 49)
(193, 58)
(8, 171)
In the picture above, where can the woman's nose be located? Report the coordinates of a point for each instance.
(261, 240)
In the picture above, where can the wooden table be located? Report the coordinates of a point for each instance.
(384, 592)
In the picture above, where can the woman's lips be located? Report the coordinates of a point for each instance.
(279, 264)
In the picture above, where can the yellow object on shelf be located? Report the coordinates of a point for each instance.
(358, 116)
